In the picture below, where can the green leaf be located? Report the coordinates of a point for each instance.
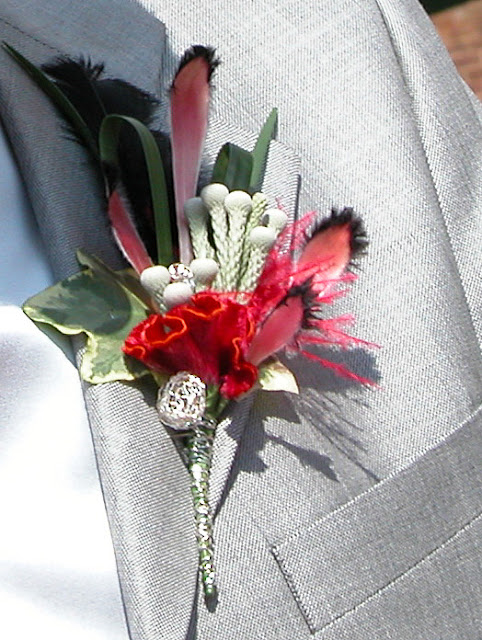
(57, 97)
(233, 167)
(108, 145)
(95, 303)
(274, 376)
(160, 378)
(126, 278)
(215, 402)
(261, 149)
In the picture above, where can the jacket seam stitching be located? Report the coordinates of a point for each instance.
(410, 569)
(30, 36)
(401, 66)
(427, 557)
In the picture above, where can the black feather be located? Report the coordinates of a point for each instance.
(358, 237)
(199, 51)
(94, 97)
(78, 80)
(119, 96)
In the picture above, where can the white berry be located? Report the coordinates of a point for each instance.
(154, 279)
(277, 219)
(263, 237)
(204, 270)
(214, 194)
(176, 293)
(238, 200)
(195, 209)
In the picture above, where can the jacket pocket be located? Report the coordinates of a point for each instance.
(341, 560)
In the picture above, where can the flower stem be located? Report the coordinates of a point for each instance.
(199, 452)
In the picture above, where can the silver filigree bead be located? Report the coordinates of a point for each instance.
(181, 402)
(180, 273)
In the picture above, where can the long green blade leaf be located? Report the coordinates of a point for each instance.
(108, 145)
(57, 97)
(261, 150)
(233, 167)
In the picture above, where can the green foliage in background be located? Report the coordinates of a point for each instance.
(432, 6)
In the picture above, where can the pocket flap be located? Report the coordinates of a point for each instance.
(344, 558)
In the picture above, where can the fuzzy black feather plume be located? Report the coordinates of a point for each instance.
(199, 51)
(94, 97)
(358, 237)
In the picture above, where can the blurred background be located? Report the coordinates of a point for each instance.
(459, 23)
(433, 6)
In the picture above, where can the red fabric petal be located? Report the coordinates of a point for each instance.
(277, 331)
(208, 336)
(241, 376)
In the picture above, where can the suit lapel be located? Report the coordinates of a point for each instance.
(145, 484)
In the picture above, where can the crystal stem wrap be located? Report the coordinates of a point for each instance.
(199, 452)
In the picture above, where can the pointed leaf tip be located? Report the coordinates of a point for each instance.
(261, 150)
(275, 376)
(233, 167)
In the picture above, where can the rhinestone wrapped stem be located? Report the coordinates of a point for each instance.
(199, 453)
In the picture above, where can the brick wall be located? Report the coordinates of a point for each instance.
(461, 29)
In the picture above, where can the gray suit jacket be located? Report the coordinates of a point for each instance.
(344, 513)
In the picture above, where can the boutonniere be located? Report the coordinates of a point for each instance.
(219, 282)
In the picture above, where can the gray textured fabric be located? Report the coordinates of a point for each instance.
(308, 542)
(372, 553)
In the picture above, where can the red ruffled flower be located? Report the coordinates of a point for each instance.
(223, 341)
(208, 336)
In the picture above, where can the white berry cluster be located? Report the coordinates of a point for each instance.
(175, 284)
(231, 235)
(236, 230)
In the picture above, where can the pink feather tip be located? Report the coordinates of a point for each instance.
(125, 234)
(290, 292)
(190, 95)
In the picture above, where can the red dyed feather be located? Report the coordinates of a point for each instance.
(340, 369)
(329, 253)
(289, 293)
(190, 94)
(125, 234)
(277, 331)
(330, 249)
(323, 260)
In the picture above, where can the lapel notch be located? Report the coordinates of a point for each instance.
(145, 484)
